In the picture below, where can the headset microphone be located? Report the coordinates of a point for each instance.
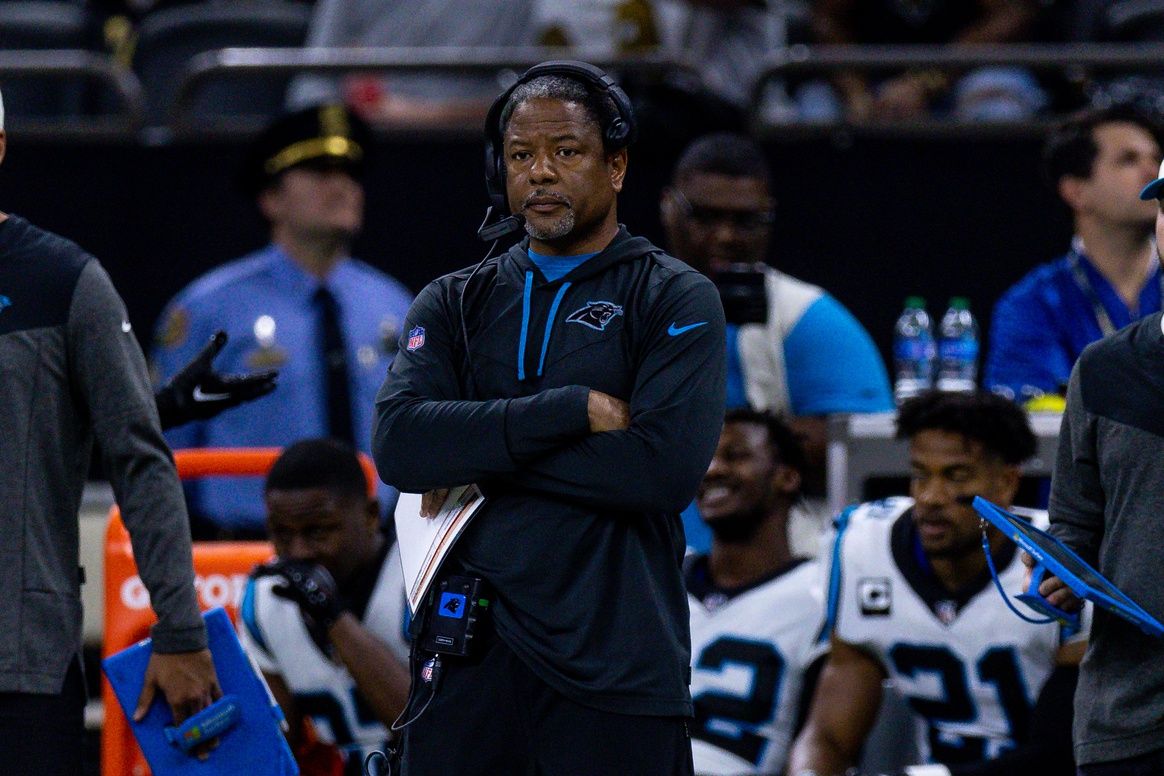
(503, 227)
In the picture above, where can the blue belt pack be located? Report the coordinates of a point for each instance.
(245, 719)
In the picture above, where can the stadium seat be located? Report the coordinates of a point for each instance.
(45, 25)
(169, 38)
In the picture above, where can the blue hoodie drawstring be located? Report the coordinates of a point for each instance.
(525, 299)
(550, 325)
(523, 341)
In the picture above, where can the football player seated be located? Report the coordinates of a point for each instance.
(325, 620)
(911, 599)
(756, 611)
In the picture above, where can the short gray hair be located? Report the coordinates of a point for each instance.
(599, 107)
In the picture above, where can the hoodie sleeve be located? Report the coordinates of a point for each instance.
(427, 436)
(112, 377)
(1077, 499)
(676, 407)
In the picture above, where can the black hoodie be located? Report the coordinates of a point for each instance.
(580, 535)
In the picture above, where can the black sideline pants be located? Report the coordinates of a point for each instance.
(492, 716)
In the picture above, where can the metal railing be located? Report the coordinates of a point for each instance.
(506, 62)
(1076, 60)
(83, 67)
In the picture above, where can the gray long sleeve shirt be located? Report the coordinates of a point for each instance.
(71, 372)
(1107, 503)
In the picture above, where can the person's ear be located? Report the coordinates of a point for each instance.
(668, 208)
(3, 144)
(1007, 480)
(1071, 191)
(268, 202)
(786, 480)
(616, 162)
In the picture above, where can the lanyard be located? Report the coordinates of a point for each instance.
(1075, 260)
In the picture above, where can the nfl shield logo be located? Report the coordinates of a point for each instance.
(426, 671)
(416, 338)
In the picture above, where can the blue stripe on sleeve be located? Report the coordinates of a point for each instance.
(249, 618)
(834, 597)
(833, 365)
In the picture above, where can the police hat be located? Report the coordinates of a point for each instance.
(322, 134)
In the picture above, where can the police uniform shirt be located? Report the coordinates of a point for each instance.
(968, 667)
(750, 649)
(265, 302)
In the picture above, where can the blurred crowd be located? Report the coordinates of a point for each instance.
(721, 49)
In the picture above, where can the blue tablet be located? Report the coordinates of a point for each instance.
(1053, 557)
(245, 720)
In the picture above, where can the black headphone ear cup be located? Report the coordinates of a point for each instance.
(616, 133)
(495, 175)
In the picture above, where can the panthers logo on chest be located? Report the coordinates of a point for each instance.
(595, 315)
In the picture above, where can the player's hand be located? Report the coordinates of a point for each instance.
(186, 680)
(606, 412)
(310, 586)
(1053, 589)
(433, 501)
(197, 392)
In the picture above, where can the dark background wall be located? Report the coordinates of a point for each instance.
(872, 218)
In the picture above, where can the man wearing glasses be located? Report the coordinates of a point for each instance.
(792, 349)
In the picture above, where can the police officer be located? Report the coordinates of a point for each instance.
(302, 305)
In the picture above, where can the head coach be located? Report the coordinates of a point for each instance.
(578, 378)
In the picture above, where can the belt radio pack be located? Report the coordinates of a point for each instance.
(456, 615)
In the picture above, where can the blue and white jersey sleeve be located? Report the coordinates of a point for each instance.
(832, 363)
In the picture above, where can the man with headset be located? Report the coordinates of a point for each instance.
(578, 378)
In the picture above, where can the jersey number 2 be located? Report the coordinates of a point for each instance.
(715, 710)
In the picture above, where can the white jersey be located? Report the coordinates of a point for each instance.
(749, 652)
(965, 663)
(273, 634)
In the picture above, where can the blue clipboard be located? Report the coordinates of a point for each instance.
(1053, 557)
(246, 720)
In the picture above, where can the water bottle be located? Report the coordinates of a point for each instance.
(958, 348)
(913, 351)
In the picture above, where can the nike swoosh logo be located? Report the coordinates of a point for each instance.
(126, 327)
(199, 395)
(675, 331)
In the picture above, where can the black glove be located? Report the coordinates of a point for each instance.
(197, 392)
(309, 585)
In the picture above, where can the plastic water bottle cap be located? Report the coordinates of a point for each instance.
(915, 302)
(959, 303)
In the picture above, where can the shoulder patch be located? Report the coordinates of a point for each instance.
(415, 338)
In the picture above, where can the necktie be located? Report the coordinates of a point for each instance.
(334, 366)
